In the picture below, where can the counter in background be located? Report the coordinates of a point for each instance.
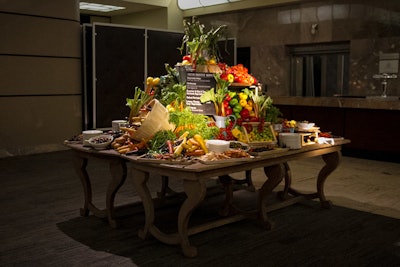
(370, 124)
(340, 102)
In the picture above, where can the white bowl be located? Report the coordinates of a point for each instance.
(86, 135)
(101, 141)
(218, 146)
(305, 125)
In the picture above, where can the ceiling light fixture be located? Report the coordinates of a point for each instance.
(189, 4)
(98, 7)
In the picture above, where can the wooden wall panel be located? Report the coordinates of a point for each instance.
(41, 75)
(38, 124)
(30, 35)
(60, 8)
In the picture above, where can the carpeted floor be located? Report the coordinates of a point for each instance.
(40, 226)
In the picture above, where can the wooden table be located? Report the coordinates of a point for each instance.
(194, 179)
(118, 171)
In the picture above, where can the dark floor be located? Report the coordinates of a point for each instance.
(41, 225)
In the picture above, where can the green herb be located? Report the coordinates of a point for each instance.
(160, 138)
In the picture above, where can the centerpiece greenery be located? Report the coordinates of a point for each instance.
(201, 43)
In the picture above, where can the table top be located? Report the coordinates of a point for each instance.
(196, 169)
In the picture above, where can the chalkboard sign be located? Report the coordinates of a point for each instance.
(196, 84)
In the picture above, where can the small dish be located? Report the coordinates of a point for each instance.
(219, 146)
(305, 125)
(100, 142)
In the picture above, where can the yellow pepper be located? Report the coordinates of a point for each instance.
(236, 133)
(149, 80)
(248, 107)
(155, 81)
(243, 102)
(243, 96)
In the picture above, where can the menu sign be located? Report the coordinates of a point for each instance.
(196, 84)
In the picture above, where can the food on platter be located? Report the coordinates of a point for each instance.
(165, 159)
(239, 145)
(124, 144)
(233, 155)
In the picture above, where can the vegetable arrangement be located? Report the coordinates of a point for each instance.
(217, 95)
(237, 74)
(170, 92)
(165, 145)
(140, 98)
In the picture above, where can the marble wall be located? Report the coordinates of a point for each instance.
(371, 27)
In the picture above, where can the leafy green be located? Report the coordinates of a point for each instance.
(217, 95)
(170, 90)
(194, 123)
(160, 138)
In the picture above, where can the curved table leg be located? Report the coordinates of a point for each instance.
(139, 180)
(331, 160)
(227, 183)
(249, 181)
(196, 192)
(284, 194)
(118, 175)
(275, 175)
(80, 164)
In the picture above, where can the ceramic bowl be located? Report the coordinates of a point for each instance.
(305, 125)
(218, 146)
(101, 141)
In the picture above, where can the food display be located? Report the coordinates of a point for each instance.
(161, 126)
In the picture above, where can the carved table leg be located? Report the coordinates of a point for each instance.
(139, 180)
(118, 175)
(80, 164)
(196, 192)
(275, 175)
(284, 194)
(249, 181)
(332, 160)
(227, 183)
